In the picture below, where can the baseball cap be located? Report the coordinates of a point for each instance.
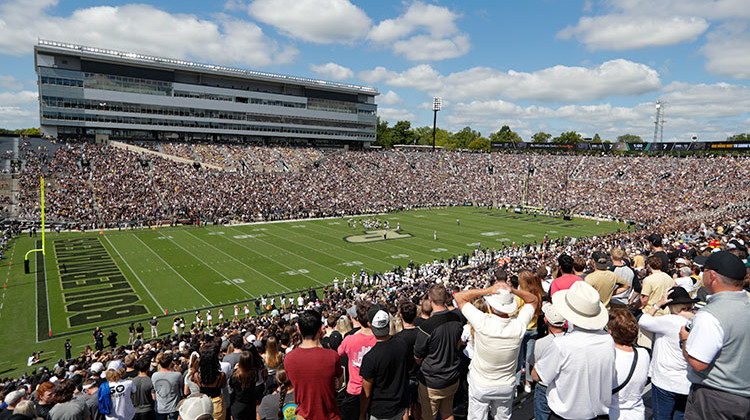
(196, 407)
(380, 322)
(115, 365)
(97, 367)
(726, 264)
(14, 397)
(681, 261)
(553, 316)
(601, 260)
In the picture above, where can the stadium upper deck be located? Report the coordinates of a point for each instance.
(86, 91)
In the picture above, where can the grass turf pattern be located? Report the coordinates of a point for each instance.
(188, 268)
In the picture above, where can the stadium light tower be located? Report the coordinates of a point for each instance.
(436, 104)
(659, 123)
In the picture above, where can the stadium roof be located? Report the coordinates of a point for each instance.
(190, 65)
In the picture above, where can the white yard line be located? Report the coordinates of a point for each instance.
(279, 262)
(161, 308)
(175, 271)
(230, 256)
(207, 265)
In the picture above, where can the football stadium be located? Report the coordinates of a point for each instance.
(206, 241)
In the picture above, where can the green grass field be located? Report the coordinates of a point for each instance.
(112, 278)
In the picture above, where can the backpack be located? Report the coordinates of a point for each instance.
(105, 399)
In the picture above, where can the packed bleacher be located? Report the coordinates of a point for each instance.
(96, 185)
(616, 326)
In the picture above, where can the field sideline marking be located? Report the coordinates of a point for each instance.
(230, 256)
(215, 270)
(134, 273)
(172, 268)
(289, 252)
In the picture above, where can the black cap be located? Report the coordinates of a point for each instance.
(601, 259)
(726, 264)
(678, 295)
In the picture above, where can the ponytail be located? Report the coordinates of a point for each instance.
(284, 383)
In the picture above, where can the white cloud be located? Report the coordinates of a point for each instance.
(389, 98)
(427, 48)
(393, 115)
(332, 71)
(624, 32)
(558, 83)
(24, 97)
(141, 28)
(318, 21)
(710, 111)
(424, 32)
(727, 52)
(10, 82)
(18, 109)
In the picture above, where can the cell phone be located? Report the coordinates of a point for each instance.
(689, 325)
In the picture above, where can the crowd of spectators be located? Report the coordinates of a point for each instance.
(98, 185)
(579, 326)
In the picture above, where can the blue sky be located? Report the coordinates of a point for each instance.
(535, 65)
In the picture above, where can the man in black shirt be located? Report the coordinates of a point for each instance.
(68, 347)
(384, 371)
(655, 242)
(408, 312)
(98, 339)
(112, 338)
(436, 351)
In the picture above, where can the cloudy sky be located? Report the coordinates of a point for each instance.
(536, 65)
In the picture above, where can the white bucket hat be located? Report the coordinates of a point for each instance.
(581, 305)
(502, 301)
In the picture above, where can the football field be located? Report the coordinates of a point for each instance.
(111, 278)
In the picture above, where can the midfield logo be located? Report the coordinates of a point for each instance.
(377, 235)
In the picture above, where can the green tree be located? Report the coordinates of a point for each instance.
(568, 137)
(424, 136)
(479, 143)
(596, 138)
(505, 135)
(739, 137)
(629, 138)
(33, 131)
(402, 133)
(461, 139)
(541, 137)
(384, 137)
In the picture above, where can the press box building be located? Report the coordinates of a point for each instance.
(87, 92)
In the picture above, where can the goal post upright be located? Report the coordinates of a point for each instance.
(42, 249)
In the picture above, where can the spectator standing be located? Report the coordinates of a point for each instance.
(121, 392)
(555, 326)
(280, 401)
(166, 383)
(717, 347)
(530, 282)
(621, 300)
(354, 347)
(211, 380)
(655, 285)
(579, 367)
(384, 371)
(657, 250)
(315, 372)
(242, 385)
(143, 399)
(236, 341)
(669, 382)
(436, 351)
(408, 313)
(497, 341)
(67, 408)
(606, 282)
(565, 278)
(631, 365)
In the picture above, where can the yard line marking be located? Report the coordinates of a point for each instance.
(207, 265)
(282, 264)
(175, 271)
(135, 274)
(431, 256)
(251, 268)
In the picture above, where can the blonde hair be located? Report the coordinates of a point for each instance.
(114, 375)
(344, 325)
(26, 408)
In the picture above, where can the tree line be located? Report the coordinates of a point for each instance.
(467, 138)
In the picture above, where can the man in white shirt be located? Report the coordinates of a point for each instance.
(579, 368)
(497, 339)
